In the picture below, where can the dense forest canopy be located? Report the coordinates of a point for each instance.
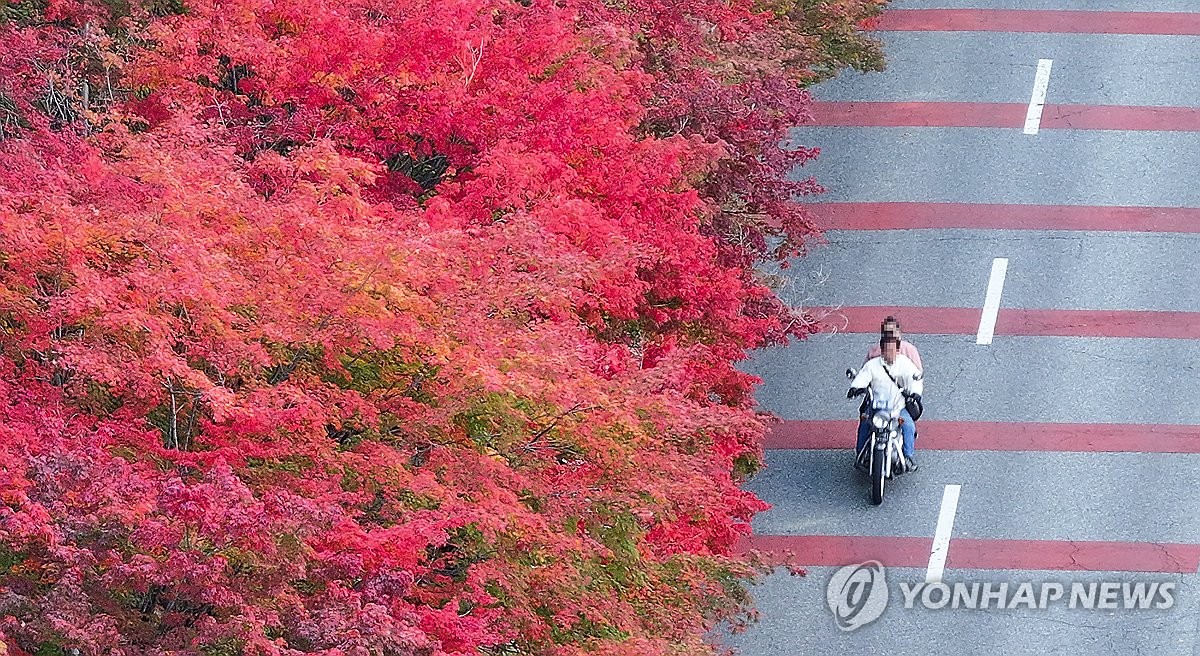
(363, 327)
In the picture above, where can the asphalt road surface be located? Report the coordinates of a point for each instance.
(1062, 430)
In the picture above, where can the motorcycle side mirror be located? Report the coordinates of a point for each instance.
(850, 373)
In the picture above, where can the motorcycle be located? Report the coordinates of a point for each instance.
(883, 453)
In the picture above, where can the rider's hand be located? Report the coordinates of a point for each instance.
(855, 391)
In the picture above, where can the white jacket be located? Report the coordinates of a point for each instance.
(904, 373)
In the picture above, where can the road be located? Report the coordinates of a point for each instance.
(1071, 436)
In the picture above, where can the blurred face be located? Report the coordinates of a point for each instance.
(890, 349)
(893, 329)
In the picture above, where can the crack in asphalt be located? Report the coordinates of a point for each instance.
(1074, 553)
(1042, 618)
(962, 366)
(1169, 557)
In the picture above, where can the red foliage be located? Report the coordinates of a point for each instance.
(367, 327)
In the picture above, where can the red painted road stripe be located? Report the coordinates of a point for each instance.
(838, 550)
(1118, 117)
(920, 114)
(998, 436)
(1049, 555)
(1035, 20)
(1073, 556)
(1004, 115)
(1015, 321)
(919, 216)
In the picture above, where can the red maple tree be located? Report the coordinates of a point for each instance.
(390, 328)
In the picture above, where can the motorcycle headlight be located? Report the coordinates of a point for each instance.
(880, 421)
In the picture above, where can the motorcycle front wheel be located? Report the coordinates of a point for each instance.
(878, 474)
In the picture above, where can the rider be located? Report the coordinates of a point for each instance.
(890, 368)
(891, 326)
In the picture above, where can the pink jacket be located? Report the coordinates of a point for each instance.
(905, 347)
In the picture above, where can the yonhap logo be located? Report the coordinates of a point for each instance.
(857, 594)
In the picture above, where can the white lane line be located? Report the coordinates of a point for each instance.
(941, 537)
(1033, 117)
(991, 302)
